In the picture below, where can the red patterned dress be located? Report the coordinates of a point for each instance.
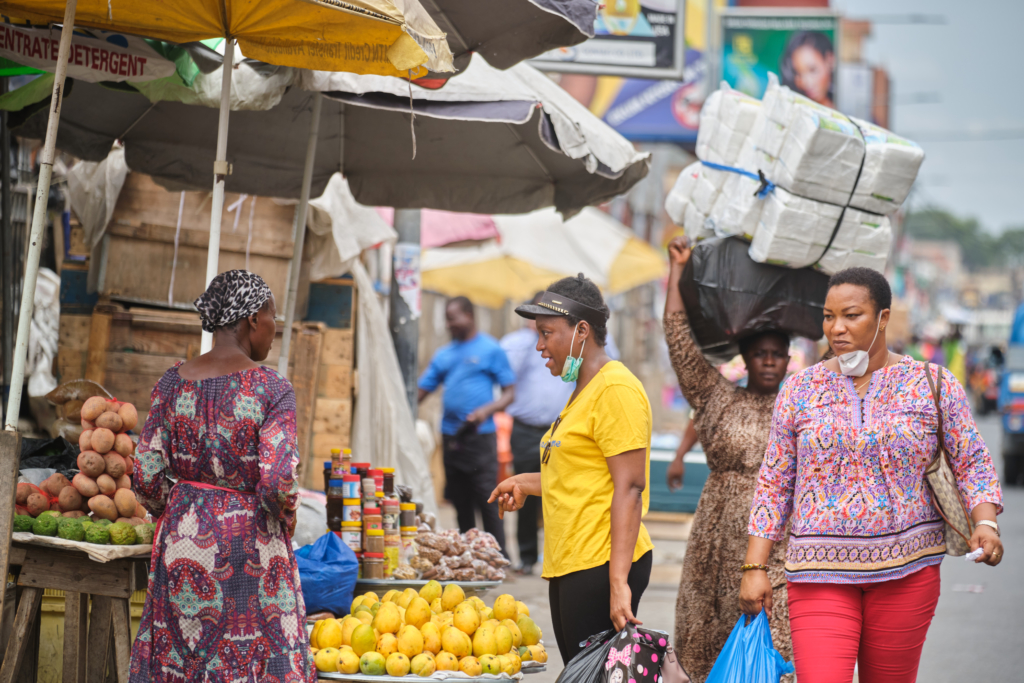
(224, 601)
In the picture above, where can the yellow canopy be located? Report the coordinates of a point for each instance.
(379, 37)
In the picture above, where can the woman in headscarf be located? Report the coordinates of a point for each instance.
(216, 463)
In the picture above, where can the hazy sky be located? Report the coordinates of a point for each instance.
(973, 65)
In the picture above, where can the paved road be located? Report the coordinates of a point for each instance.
(975, 636)
(979, 636)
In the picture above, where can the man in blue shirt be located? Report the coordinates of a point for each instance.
(539, 398)
(469, 368)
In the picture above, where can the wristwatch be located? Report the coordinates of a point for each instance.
(990, 523)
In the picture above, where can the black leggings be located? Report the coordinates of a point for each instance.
(581, 603)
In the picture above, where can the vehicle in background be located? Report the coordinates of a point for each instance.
(1011, 404)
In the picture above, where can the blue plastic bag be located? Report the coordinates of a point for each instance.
(327, 569)
(749, 656)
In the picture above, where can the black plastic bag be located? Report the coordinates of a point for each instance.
(729, 296)
(634, 655)
(58, 454)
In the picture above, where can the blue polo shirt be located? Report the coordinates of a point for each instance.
(469, 371)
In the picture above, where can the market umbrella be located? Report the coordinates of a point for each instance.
(534, 250)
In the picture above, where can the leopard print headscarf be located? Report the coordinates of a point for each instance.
(231, 296)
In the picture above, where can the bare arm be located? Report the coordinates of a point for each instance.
(755, 588)
(512, 492)
(508, 394)
(677, 470)
(421, 394)
(629, 478)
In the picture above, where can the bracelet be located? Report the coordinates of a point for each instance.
(990, 523)
(748, 567)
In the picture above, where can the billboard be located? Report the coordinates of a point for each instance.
(798, 46)
(635, 38)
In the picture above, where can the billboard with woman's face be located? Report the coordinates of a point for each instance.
(799, 48)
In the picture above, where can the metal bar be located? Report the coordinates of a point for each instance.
(7, 229)
(299, 234)
(35, 247)
(220, 173)
(404, 323)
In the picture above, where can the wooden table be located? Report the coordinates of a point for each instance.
(87, 636)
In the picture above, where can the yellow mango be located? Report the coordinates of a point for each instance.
(397, 664)
(418, 612)
(432, 591)
(423, 664)
(372, 664)
(348, 661)
(503, 639)
(431, 637)
(387, 644)
(466, 618)
(517, 635)
(484, 643)
(327, 659)
(452, 596)
(489, 664)
(505, 608)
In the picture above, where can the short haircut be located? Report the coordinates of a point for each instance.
(464, 304)
(584, 291)
(871, 280)
(747, 342)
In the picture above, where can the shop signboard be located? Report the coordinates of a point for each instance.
(633, 38)
(799, 46)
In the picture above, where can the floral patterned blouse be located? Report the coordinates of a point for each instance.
(851, 473)
(224, 601)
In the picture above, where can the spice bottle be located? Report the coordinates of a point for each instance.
(352, 535)
(327, 477)
(374, 541)
(390, 513)
(373, 566)
(335, 506)
(351, 485)
(392, 551)
(346, 460)
(408, 515)
(389, 481)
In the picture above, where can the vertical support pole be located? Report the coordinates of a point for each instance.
(405, 298)
(299, 234)
(35, 246)
(7, 237)
(221, 170)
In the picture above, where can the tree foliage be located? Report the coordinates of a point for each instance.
(980, 248)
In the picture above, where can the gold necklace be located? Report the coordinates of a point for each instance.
(868, 381)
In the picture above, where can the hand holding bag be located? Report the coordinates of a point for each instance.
(942, 482)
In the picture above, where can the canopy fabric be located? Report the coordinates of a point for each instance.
(518, 30)
(438, 228)
(491, 142)
(538, 248)
(392, 37)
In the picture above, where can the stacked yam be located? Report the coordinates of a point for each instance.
(106, 462)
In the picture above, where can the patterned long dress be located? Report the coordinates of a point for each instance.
(733, 426)
(224, 601)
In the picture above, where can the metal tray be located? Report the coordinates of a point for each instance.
(471, 588)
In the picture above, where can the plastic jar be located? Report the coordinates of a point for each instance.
(369, 486)
(373, 566)
(392, 552)
(389, 481)
(408, 551)
(346, 462)
(372, 520)
(350, 485)
(408, 515)
(360, 468)
(391, 511)
(378, 480)
(327, 477)
(375, 541)
(335, 506)
(353, 510)
(352, 535)
(336, 460)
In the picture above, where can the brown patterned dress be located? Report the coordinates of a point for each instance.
(733, 426)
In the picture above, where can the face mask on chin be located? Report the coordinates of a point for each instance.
(571, 367)
(855, 363)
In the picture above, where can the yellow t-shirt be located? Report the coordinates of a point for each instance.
(610, 416)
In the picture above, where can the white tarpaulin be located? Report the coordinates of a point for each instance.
(43, 334)
(94, 187)
(95, 55)
(382, 423)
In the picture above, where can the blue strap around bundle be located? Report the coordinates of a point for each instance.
(766, 185)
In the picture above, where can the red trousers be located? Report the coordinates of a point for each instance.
(879, 626)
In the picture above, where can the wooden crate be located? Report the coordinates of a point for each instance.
(140, 254)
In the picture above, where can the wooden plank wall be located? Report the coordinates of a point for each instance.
(332, 417)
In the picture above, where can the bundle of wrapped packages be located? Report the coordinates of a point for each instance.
(807, 186)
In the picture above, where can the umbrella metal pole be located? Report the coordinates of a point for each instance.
(10, 440)
(221, 170)
(7, 229)
(405, 288)
(299, 234)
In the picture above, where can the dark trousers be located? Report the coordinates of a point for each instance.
(526, 458)
(581, 603)
(471, 473)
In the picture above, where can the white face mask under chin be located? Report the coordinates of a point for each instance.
(855, 363)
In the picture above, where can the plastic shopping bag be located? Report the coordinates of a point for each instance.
(749, 656)
(634, 655)
(327, 569)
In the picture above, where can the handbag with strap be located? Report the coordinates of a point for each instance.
(939, 475)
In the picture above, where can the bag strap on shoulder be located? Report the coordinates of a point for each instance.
(936, 387)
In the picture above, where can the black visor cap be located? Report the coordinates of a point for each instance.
(558, 304)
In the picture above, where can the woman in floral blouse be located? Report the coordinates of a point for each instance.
(224, 600)
(846, 458)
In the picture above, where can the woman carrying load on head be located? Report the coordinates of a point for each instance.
(224, 600)
(733, 425)
(595, 461)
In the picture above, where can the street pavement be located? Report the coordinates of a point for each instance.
(977, 633)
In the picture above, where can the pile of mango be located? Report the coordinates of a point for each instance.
(414, 633)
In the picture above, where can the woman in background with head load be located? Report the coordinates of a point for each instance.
(851, 439)
(595, 461)
(224, 600)
(732, 424)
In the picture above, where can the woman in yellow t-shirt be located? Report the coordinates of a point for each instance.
(595, 462)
